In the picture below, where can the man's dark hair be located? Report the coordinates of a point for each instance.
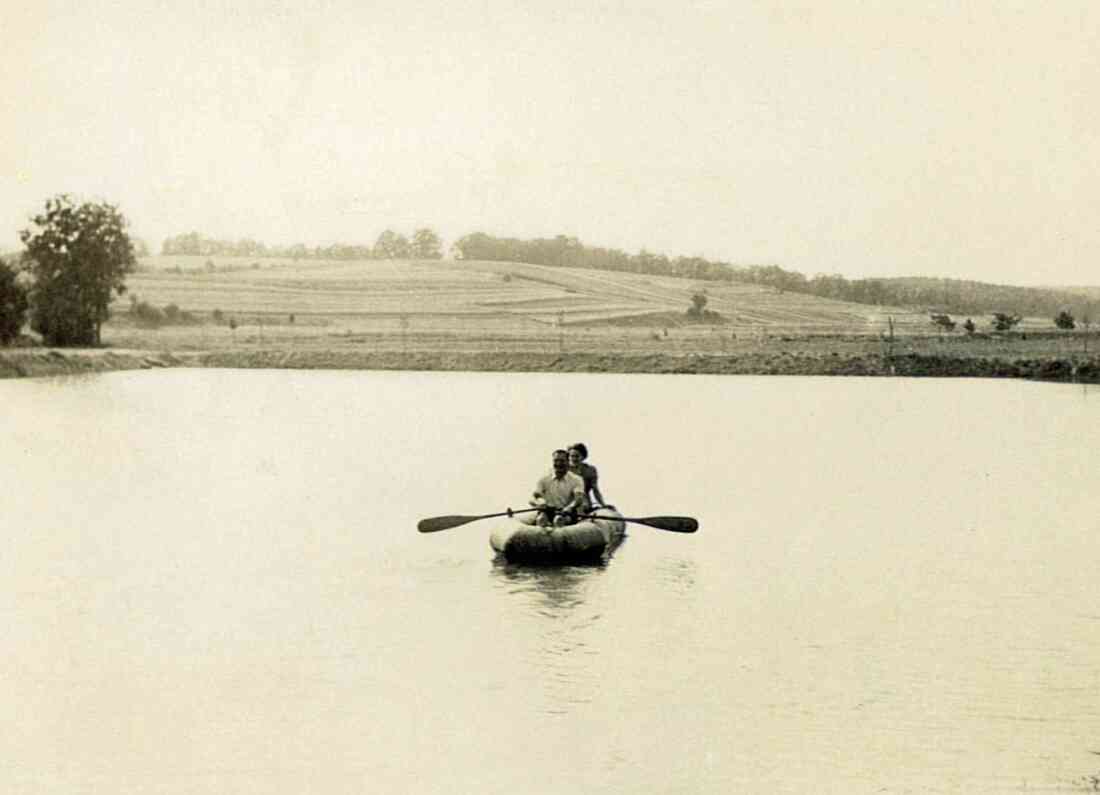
(580, 448)
(560, 452)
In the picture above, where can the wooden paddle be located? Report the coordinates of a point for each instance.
(675, 524)
(437, 523)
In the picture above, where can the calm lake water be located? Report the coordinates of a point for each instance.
(213, 583)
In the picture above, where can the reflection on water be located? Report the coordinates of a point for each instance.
(564, 602)
(560, 588)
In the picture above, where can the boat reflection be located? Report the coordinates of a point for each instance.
(560, 588)
(562, 606)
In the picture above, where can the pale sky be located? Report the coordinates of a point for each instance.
(957, 139)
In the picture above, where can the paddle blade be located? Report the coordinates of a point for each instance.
(674, 524)
(437, 523)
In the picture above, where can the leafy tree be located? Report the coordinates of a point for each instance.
(13, 304)
(969, 326)
(828, 285)
(698, 304)
(391, 245)
(1064, 320)
(80, 255)
(426, 245)
(1003, 321)
(190, 243)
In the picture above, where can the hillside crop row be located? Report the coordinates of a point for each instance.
(533, 293)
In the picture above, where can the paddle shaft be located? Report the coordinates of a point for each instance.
(674, 524)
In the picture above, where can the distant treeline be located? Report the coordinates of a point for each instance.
(963, 297)
(938, 295)
(569, 252)
(424, 244)
(952, 296)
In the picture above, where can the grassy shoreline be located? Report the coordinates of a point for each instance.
(43, 362)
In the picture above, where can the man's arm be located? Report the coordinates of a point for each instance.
(546, 512)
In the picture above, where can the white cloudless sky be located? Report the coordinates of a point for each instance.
(861, 138)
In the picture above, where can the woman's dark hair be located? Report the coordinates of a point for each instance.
(580, 448)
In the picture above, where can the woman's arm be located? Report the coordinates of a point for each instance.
(596, 487)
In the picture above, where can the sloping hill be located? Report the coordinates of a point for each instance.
(960, 296)
(1091, 293)
(606, 297)
(477, 289)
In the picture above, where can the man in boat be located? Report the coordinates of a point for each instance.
(578, 453)
(559, 495)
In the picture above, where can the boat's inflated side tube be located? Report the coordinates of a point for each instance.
(585, 541)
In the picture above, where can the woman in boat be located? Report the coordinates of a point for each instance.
(577, 463)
